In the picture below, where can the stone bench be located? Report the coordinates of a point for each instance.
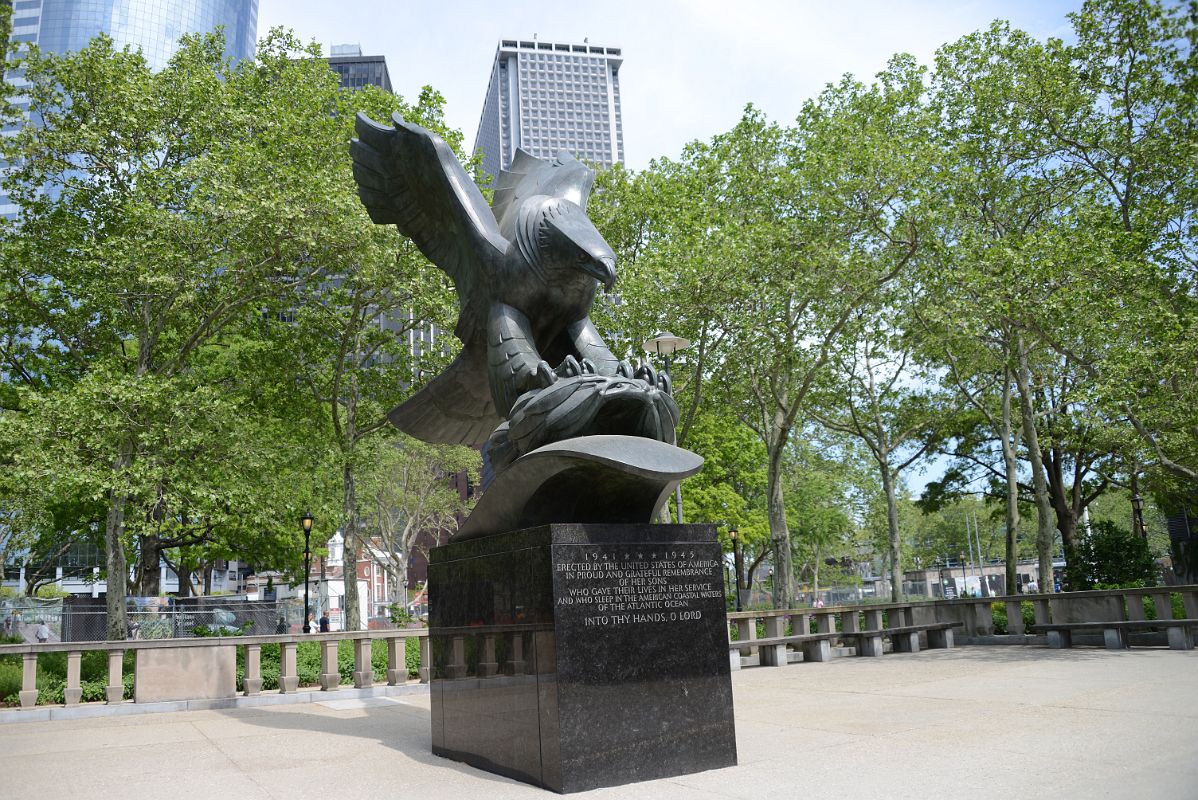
(818, 646)
(904, 638)
(772, 649)
(1114, 633)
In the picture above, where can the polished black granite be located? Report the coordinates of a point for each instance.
(580, 656)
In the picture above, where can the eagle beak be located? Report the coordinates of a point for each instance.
(603, 270)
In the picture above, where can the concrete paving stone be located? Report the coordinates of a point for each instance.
(972, 721)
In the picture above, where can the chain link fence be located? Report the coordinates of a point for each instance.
(86, 619)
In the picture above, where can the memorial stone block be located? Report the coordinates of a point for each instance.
(575, 656)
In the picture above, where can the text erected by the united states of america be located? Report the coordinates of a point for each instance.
(629, 586)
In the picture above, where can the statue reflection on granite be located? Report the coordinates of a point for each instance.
(573, 644)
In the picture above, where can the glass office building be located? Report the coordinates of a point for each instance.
(154, 26)
(545, 97)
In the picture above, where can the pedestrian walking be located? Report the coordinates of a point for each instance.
(42, 633)
(324, 622)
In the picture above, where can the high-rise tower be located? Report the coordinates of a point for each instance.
(545, 97)
(62, 26)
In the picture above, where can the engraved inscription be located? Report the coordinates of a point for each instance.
(629, 586)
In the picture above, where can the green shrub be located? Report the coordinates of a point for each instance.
(412, 657)
(998, 612)
(10, 682)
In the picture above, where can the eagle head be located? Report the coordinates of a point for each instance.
(558, 241)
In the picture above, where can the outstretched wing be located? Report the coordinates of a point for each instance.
(408, 176)
(564, 177)
(455, 407)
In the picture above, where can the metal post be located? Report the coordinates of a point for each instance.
(737, 568)
(307, 576)
(306, 524)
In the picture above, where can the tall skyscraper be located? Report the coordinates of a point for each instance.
(545, 97)
(62, 26)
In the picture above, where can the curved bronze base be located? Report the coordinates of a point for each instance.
(585, 479)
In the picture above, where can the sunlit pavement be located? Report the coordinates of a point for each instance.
(969, 722)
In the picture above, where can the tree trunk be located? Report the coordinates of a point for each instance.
(892, 525)
(784, 582)
(115, 564)
(1062, 505)
(353, 546)
(1044, 516)
(1010, 441)
(149, 574)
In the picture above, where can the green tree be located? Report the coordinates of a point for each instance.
(163, 217)
(363, 333)
(406, 492)
(876, 394)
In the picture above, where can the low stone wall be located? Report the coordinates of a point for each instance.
(976, 614)
(205, 669)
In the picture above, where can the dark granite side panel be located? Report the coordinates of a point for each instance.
(579, 656)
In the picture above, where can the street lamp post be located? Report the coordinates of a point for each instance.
(1137, 508)
(306, 522)
(964, 576)
(737, 566)
(666, 344)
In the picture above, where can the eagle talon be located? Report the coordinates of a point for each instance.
(545, 375)
(624, 369)
(588, 367)
(569, 368)
(647, 374)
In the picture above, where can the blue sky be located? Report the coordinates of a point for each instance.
(689, 67)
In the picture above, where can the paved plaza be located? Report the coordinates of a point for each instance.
(968, 722)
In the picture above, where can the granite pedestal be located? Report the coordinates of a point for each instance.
(578, 656)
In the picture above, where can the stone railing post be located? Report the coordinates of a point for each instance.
(330, 672)
(363, 670)
(1135, 607)
(514, 665)
(456, 668)
(73, 692)
(288, 676)
(1014, 616)
(114, 692)
(1164, 605)
(487, 665)
(253, 669)
(426, 658)
(397, 668)
(825, 622)
(1189, 601)
(774, 655)
(1040, 605)
(983, 618)
(28, 693)
(850, 621)
(746, 631)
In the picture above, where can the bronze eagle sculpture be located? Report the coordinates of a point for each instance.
(526, 271)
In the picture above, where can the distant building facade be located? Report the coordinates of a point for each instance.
(357, 70)
(545, 97)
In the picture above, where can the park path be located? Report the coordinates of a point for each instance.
(968, 722)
